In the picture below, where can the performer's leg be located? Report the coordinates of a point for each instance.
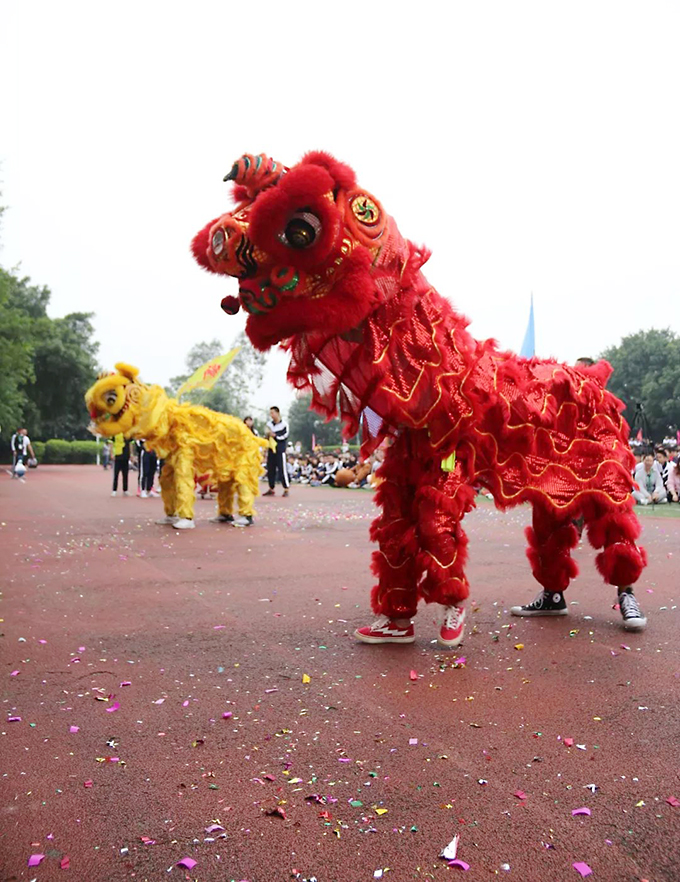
(621, 562)
(184, 488)
(125, 469)
(282, 468)
(396, 564)
(225, 499)
(443, 501)
(167, 482)
(551, 539)
(246, 500)
(444, 498)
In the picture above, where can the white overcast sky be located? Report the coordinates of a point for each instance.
(533, 146)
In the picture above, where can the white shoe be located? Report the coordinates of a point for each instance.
(184, 524)
(168, 519)
(126, 493)
(113, 492)
(243, 521)
(143, 495)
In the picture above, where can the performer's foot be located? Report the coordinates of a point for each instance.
(126, 493)
(144, 495)
(452, 628)
(222, 519)
(384, 630)
(184, 524)
(244, 521)
(285, 493)
(546, 603)
(633, 619)
(168, 519)
(269, 492)
(113, 492)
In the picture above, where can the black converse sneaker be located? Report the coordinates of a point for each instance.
(633, 619)
(547, 603)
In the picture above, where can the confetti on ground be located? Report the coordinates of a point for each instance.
(582, 868)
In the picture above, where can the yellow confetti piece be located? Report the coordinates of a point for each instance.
(519, 646)
(638, 804)
(306, 678)
(381, 811)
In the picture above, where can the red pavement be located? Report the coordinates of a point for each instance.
(319, 778)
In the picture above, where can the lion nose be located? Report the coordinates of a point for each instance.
(231, 251)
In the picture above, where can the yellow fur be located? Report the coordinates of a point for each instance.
(191, 439)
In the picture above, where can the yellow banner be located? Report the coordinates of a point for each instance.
(209, 373)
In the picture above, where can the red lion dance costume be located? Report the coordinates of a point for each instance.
(324, 271)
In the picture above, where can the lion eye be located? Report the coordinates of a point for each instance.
(110, 398)
(301, 230)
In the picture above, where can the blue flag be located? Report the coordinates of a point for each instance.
(528, 349)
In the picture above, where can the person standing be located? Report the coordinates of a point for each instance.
(251, 425)
(121, 462)
(146, 463)
(106, 454)
(21, 447)
(277, 429)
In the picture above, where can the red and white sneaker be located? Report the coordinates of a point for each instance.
(384, 630)
(452, 628)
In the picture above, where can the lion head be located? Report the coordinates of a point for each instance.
(311, 250)
(114, 401)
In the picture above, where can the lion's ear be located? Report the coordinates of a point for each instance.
(127, 370)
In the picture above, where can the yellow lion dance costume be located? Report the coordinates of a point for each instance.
(189, 438)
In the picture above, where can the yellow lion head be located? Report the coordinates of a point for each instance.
(113, 401)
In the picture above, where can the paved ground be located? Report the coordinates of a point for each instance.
(181, 661)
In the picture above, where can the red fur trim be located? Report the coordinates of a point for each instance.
(200, 245)
(621, 564)
(613, 527)
(342, 174)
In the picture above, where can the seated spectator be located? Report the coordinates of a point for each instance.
(331, 467)
(661, 458)
(673, 482)
(649, 481)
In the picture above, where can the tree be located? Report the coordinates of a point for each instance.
(305, 424)
(16, 350)
(647, 372)
(231, 393)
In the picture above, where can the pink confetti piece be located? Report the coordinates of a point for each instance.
(74, 729)
(126, 683)
(114, 707)
(568, 742)
(13, 719)
(520, 794)
(187, 862)
(214, 828)
(227, 715)
(674, 801)
(581, 811)
(344, 759)
(460, 864)
(88, 783)
(623, 646)
(159, 701)
(14, 673)
(582, 868)
(147, 840)
(185, 703)
(268, 691)
(218, 627)
(65, 863)
(460, 662)
(74, 661)
(35, 860)
(413, 675)
(413, 741)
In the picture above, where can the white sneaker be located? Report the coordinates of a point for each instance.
(113, 492)
(126, 493)
(143, 495)
(168, 519)
(184, 524)
(243, 521)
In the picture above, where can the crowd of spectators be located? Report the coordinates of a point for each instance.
(336, 468)
(657, 474)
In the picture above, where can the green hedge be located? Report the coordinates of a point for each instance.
(57, 451)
